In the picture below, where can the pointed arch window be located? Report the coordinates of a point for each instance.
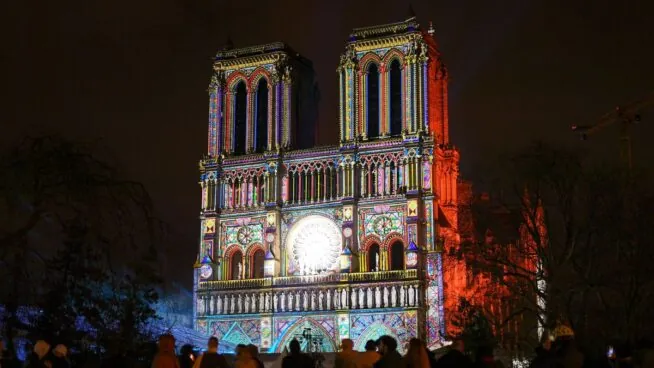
(257, 264)
(372, 86)
(240, 118)
(397, 256)
(395, 98)
(261, 130)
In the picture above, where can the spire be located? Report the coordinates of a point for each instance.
(228, 44)
(412, 14)
(431, 31)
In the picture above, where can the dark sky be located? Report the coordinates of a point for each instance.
(134, 73)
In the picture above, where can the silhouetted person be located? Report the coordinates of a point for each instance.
(166, 357)
(368, 358)
(39, 358)
(416, 356)
(185, 357)
(254, 351)
(296, 358)
(211, 358)
(455, 357)
(390, 357)
(347, 357)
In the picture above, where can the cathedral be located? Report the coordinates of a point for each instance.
(322, 243)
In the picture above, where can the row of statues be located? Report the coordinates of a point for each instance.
(310, 300)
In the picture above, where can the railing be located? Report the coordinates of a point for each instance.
(310, 279)
(311, 293)
(311, 298)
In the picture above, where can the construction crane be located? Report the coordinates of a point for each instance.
(627, 116)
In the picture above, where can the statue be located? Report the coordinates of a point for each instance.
(402, 296)
(361, 298)
(282, 301)
(320, 299)
(305, 302)
(411, 296)
(239, 270)
(211, 305)
(290, 301)
(377, 297)
(376, 261)
(385, 296)
(198, 305)
(393, 297)
(267, 302)
(329, 300)
(313, 300)
(239, 304)
(247, 303)
(369, 297)
(219, 305)
(275, 303)
(232, 304)
(343, 299)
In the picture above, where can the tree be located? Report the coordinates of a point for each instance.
(571, 243)
(69, 226)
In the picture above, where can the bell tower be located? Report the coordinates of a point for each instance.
(261, 98)
(392, 83)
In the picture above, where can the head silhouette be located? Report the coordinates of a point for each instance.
(294, 346)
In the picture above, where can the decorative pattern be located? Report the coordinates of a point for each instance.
(383, 224)
(401, 325)
(244, 235)
(236, 331)
(209, 226)
(435, 325)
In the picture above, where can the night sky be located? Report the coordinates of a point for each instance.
(134, 74)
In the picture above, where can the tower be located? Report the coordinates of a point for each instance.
(341, 240)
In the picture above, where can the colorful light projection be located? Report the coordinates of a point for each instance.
(314, 245)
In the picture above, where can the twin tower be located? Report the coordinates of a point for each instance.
(392, 83)
(345, 240)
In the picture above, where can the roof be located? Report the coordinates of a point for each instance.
(409, 25)
(255, 50)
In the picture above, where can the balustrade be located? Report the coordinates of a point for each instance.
(308, 299)
(310, 293)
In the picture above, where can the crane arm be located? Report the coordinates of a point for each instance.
(626, 113)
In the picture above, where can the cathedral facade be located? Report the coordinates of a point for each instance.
(329, 242)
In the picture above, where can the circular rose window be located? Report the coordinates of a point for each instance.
(314, 244)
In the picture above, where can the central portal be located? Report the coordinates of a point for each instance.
(314, 246)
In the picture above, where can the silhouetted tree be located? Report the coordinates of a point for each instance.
(76, 240)
(570, 240)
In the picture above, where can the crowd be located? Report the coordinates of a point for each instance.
(561, 351)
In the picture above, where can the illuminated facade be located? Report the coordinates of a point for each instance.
(343, 240)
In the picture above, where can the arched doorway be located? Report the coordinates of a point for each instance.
(256, 264)
(236, 265)
(396, 251)
(373, 258)
(318, 333)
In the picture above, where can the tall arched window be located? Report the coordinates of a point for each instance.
(240, 117)
(256, 268)
(373, 258)
(236, 266)
(261, 131)
(395, 97)
(397, 256)
(373, 101)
